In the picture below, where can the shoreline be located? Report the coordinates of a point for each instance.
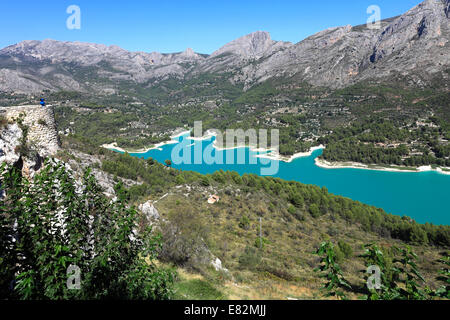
(271, 154)
(113, 146)
(279, 157)
(356, 165)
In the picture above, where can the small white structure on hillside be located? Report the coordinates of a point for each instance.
(213, 199)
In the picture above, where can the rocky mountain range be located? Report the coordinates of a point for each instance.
(414, 45)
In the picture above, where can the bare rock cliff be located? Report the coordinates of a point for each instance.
(28, 135)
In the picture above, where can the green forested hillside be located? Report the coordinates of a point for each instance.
(378, 141)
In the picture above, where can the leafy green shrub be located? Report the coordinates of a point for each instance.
(444, 276)
(292, 209)
(244, 223)
(250, 258)
(407, 272)
(180, 180)
(374, 256)
(204, 181)
(399, 279)
(261, 242)
(219, 176)
(339, 254)
(296, 199)
(185, 239)
(314, 210)
(346, 249)
(59, 225)
(331, 271)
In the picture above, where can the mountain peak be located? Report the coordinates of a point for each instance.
(189, 52)
(259, 35)
(254, 44)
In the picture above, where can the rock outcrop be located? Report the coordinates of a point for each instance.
(447, 7)
(254, 45)
(28, 136)
(217, 264)
(149, 210)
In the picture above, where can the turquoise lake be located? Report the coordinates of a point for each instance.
(424, 196)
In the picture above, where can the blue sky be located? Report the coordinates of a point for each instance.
(172, 26)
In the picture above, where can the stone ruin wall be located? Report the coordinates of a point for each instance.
(41, 123)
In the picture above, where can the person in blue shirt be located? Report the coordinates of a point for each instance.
(43, 102)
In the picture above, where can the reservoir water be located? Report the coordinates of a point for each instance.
(424, 196)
